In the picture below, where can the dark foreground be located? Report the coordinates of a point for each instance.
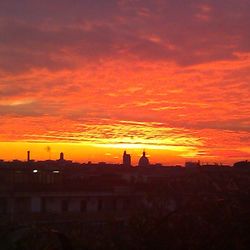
(127, 209)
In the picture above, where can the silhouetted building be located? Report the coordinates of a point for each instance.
(28, 156)
(126, 159)
(61, 156)
(191, 164)
(143, 162)
(242, 164)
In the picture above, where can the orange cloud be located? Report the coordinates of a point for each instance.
(170, 77)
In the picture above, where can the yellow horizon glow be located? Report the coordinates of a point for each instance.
(110, 153)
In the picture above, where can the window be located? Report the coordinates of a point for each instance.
(83, 207)
(22, 205)
(100, 205)
(65, 206)
(43, 205)
(3, 206)
(114, 204)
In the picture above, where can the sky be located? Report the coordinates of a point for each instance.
(92, 78)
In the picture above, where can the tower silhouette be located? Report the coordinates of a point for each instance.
(61, 156)
(126, 159)
(28, 156)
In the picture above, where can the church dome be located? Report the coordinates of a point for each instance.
(143, 162)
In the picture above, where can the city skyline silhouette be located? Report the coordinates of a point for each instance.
(126, 160)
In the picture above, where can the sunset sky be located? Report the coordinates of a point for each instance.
(94, 77)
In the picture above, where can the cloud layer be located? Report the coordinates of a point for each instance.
(89, 71)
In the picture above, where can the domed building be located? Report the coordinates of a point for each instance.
(143, 162)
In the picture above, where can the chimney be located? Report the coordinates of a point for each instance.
(28, 156)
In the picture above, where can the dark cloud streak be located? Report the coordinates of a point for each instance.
(51, 35)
